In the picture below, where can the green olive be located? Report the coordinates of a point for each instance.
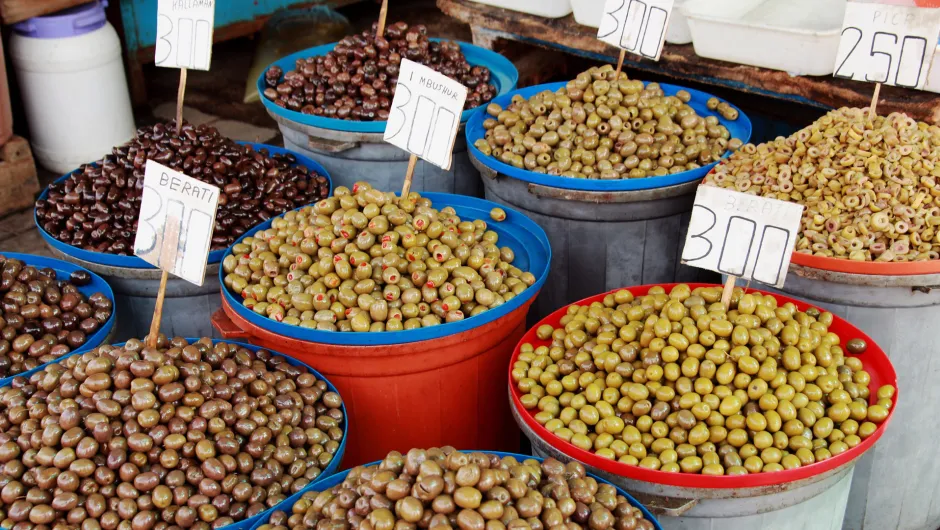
(757, 387)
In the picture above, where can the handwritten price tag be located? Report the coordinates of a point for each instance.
(742, 235)
(184, 33)
(887, 44)
(637, 26)
(425, 113)
(177, 216)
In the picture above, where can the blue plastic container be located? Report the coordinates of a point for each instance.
(135, 282)
(327, 473)
(98, 285)
(133, 262)
(740, 129)
(502, 74)
(605, 233)
(354, 150)
(526, 239)
(339, 478)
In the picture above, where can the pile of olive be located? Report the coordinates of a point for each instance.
(675, 382)
(43, 318)
(600, 128)
(366, 260)
(96, 208)
(870, 187)
(356, 80)
(440, 489)
(182, 435)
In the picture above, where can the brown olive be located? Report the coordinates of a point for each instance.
(38, 325)
(546, 495)
(357, 79)
(97, 207)
(128, 434)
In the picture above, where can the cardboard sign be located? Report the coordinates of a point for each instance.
(887, 44)
(742, 235)
(177, 216)
(184, 33)
(425, 113)
(637, 26)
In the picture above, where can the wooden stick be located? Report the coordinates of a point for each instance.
(383, 13)
(727, 292)
(623, 55)
(161, 292)
(874, 102)
(157, 312)
(409, 174)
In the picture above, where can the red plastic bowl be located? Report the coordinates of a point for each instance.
(899, 268)
(875, 361)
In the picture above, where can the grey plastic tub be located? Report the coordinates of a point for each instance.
(350, 157)
(186, 307)
(602, 240)
(897, 483)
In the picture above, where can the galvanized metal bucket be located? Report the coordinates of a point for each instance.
(350, 157)
(897, 484)
(816, 503)
(602, 240)
(186, 308)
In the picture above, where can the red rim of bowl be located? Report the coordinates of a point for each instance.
(900, 268)
(875, 362)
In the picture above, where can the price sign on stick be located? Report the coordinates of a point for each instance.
(637, 26)
(742, 235)
(177, 215)
(425, 113)
(887, 44)
(184, 33)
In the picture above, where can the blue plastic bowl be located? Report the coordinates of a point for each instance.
(518, 232)
(502, 74)
(740, 129)
(338, 479)
(327, 473)
(63, 269)
(133, 262)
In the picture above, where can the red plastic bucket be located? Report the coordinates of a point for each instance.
(427, 387)
(446, 391)
(875, 360)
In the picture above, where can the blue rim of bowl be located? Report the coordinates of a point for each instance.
(740, 129)
(517, 231)
(97, 285)
(339, 478)
(326, 474)
(503, 74)
(133, 262)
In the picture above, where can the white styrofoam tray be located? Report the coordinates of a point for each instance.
(797, 36)
(933, 76)
(590, 12)
(542, 8)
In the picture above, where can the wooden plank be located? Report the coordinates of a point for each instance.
(14, 11)
(680, 62)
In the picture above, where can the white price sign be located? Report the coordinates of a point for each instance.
(177, 216)
(637, 26)
(425, 113)
(742, 235)
(184, 33)
(887, 44)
